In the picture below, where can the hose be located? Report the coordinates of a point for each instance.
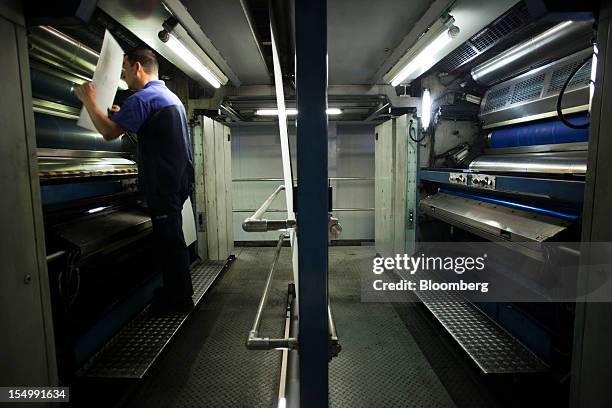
(412, 131)
(560, 98)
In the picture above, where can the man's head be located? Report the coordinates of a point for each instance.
(139, 67)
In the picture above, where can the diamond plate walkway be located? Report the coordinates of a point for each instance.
(135, 348)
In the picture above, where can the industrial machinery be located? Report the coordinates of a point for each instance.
(504, 161)
(97, 229)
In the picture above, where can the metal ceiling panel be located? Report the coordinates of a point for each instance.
(362, 33)
(225, 23)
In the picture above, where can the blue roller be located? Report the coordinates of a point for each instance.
(563, 214)
(540, 133)
(61, 133)
(52, 88)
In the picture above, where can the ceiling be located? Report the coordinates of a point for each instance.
(226, 24)
(361, 33)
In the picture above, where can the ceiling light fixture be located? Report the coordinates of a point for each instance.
(293, 112)
(425, 108)
(421, 56)
(172, 41)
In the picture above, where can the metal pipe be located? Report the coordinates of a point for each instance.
(264, 207)
(332, 324)
(377, 111)
(255, 223)
(549, 45)
(280, 179)
(57, 45)
(57, 49)
(264, 297)
(334, 345)
(254, 342)
(290, 222)
(52, 257)
(284, 372)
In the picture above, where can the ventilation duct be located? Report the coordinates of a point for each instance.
(552, 44)
(533, 95)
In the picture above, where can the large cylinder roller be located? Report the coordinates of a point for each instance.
(574, 163)
(60, 133)
(539, 133)
(51, 88)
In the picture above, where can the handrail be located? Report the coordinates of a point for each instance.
(266, 204)
(254, 341)
(334, 344)
(255, 223)
(52, 257)
(270, 179)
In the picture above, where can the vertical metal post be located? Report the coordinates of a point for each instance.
(591, 361)
(311, 90)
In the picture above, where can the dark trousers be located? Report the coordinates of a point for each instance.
(169, 243)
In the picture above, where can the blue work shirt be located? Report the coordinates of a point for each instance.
(165, 159)
(140, 105)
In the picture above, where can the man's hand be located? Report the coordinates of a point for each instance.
(107, 128)
(86, 93)
(113, 109)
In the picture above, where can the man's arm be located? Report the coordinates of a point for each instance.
(109, 129)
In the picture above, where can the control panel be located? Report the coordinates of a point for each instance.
(458, 178)
(483, 181)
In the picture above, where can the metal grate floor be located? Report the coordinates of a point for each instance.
(135, 348)
(380, 364)
(493, 349)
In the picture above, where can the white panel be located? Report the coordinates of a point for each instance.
(210, 187)
(399, 193)
(384, 188)
(220, 190)
(200, 192)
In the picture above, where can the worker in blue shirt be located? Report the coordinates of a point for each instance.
(165, 165)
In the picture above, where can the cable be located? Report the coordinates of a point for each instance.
(560, 98)
(412, 130)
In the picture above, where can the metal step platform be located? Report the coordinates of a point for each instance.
(134, 349)
(494, 350)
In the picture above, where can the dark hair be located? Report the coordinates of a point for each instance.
(146, 57)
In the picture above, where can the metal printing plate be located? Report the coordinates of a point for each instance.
(135, 348)
(493, 220)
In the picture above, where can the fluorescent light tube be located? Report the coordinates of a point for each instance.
(292, 112)
(97, 209)
(593, 75)
(424, 59)
(425, 109)
(274, 112)
(182, 52)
